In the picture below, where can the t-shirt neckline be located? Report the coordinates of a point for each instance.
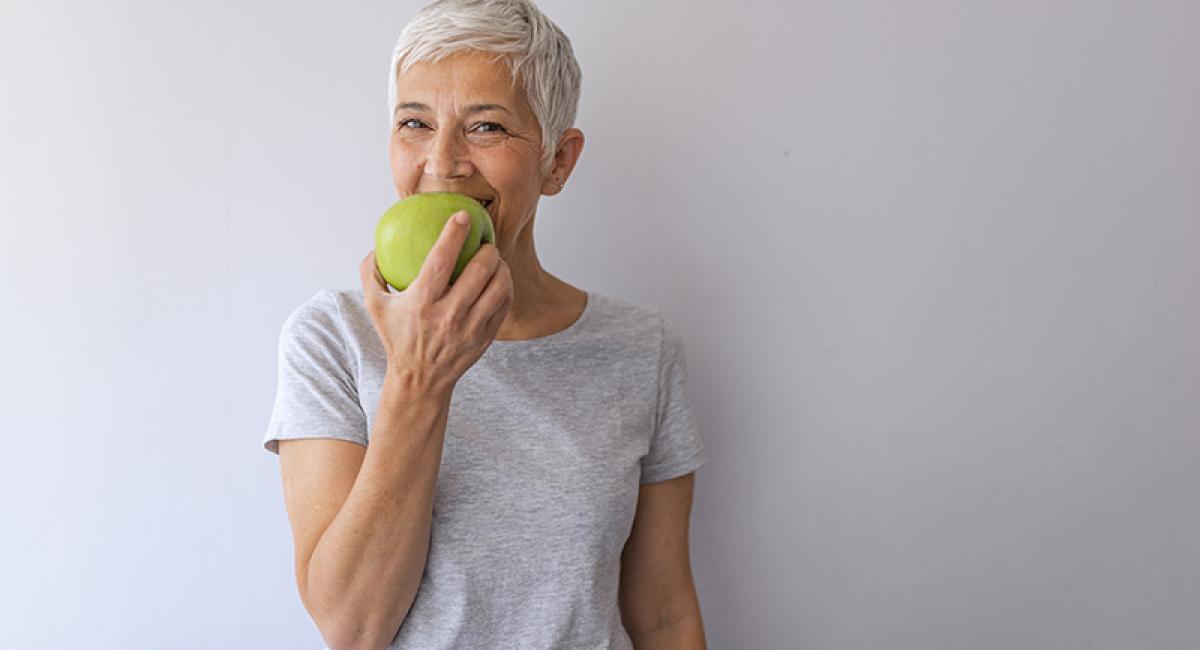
(569, 330)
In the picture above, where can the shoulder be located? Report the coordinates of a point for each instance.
(344, 309)
(322, 319)
(321, 306)
(643, 330)
(634, 320)
(320, 312)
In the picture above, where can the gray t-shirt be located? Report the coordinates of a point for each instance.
(547, 442)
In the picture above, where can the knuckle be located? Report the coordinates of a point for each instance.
(436, 263)
(448, 322)
(485, 258)
(422, 311)
(482, 262)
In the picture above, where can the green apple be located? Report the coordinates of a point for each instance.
(408, 230)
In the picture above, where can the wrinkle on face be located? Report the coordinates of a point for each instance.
(447, 149)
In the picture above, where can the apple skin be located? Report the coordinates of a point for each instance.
(408, 230)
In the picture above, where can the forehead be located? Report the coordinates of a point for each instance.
(462, 77)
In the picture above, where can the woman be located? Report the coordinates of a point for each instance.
(529, 473)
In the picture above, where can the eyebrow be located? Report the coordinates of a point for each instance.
(471, 110)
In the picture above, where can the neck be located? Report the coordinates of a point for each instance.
(540, 300)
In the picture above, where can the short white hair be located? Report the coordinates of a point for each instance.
(537, 52)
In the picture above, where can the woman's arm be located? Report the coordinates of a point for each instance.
(361, 517)
(659, 607)
(364, 568)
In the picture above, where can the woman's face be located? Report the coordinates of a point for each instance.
(461, 126)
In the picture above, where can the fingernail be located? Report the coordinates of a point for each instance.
(461, 217)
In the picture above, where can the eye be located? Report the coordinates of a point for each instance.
(498, 128)
(402, 124)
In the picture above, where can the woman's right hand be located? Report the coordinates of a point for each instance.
(433, 332)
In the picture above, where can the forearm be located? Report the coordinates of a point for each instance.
(365, 570)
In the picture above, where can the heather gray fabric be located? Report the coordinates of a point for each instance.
(546, 444)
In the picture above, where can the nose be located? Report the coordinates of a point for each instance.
(448, 156)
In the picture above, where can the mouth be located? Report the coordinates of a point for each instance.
(486, 203)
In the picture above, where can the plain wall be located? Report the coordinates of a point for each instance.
(936, 265)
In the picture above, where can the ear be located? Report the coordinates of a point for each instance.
(570, 145)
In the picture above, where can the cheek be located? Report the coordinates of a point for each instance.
(404, 162)
(400, 152)
(509, 172)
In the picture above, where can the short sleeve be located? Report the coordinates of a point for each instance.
(675, 448)
(316, 395)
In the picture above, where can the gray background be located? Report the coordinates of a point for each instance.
(936, 265)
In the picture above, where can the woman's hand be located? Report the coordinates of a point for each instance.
(433, 332)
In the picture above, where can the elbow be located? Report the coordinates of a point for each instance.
(338, 639)
(345, 624)
(353, 631)
(340, 629)
(355, 639)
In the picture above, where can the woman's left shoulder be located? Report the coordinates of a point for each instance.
(632, 318)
